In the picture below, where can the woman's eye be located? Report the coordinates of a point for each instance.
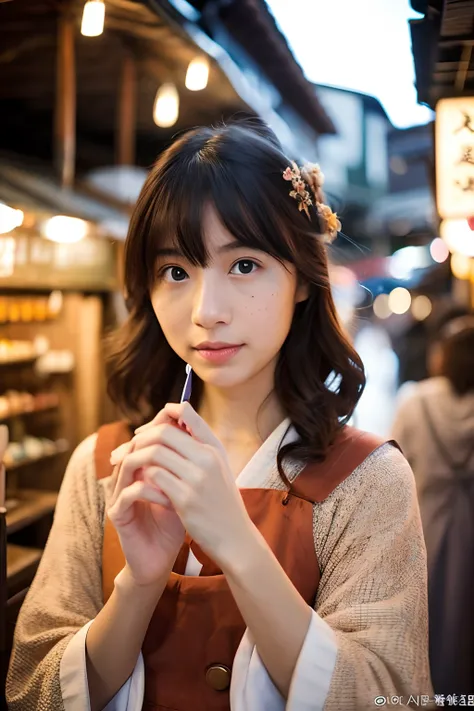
(176, 273)
(246, 266)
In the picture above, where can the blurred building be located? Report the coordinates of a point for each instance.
(247, 31)
(407, 213)
(355, 159)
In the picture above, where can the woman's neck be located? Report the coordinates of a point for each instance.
(233, 416)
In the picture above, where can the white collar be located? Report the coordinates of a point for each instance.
(260, 467)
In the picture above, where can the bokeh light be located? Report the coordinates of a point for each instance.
(439, 250)
(381, 307)
(399, 300)
(461, 266)
(421, 307)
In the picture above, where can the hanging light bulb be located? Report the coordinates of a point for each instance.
(9, 218)
(198, 74)
(93, 18)
(166, 108)
(64, 229)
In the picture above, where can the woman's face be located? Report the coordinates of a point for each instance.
(243, 297)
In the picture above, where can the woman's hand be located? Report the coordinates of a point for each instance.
(150, 530)
(193, 472)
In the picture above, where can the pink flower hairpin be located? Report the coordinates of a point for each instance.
(310, 175)
(299, 192)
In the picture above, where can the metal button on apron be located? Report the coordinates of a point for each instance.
(218, 677)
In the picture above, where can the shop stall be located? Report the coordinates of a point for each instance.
(55, 296)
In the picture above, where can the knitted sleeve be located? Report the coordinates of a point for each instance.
(373, 589)
(66, 592)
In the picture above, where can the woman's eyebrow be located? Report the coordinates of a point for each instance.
(168, 252)
(173, 252)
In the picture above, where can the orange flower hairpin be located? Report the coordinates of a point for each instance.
(310, 174)
(299, 192)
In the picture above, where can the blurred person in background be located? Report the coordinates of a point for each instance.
(434, 425)
(412, 346)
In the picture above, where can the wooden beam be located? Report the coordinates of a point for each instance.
(65, 109)
(463, 71)
(127, 112)
(454, 41)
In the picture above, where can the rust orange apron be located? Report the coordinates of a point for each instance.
(196, 628)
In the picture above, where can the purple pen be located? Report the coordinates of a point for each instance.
(186, 394)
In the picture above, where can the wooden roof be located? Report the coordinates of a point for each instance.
(252, 24)
(28, 50)
(443, 48)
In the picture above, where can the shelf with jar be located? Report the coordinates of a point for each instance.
(31, 450)
(32, 403)
(37, 353)
(19, 404)
(30, 308)
(52, 396)
(57, 301)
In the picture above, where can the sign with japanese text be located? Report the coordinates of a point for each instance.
(454, 146)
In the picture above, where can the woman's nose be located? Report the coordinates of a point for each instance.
(210, 302)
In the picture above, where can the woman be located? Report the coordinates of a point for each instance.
(301, 587)
(435, 427)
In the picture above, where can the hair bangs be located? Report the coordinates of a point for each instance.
(178, 217)
(243, 205)
(250, 218)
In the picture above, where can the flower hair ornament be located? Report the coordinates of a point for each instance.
(310, 175)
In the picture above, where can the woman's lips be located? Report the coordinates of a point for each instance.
(218, 355)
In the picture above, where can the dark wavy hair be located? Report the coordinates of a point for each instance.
(238, 169)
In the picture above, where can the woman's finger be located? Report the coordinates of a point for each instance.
(163, 417)
(121, 478)
(154, 455)
(121, 513)
(186, 416)
(172, 487)
(114, 480)
(118, 454)
(172, 437)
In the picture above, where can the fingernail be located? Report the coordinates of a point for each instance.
(118, 453)
(114, 458)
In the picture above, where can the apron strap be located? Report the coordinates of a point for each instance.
(350, 449)
(109, 437)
